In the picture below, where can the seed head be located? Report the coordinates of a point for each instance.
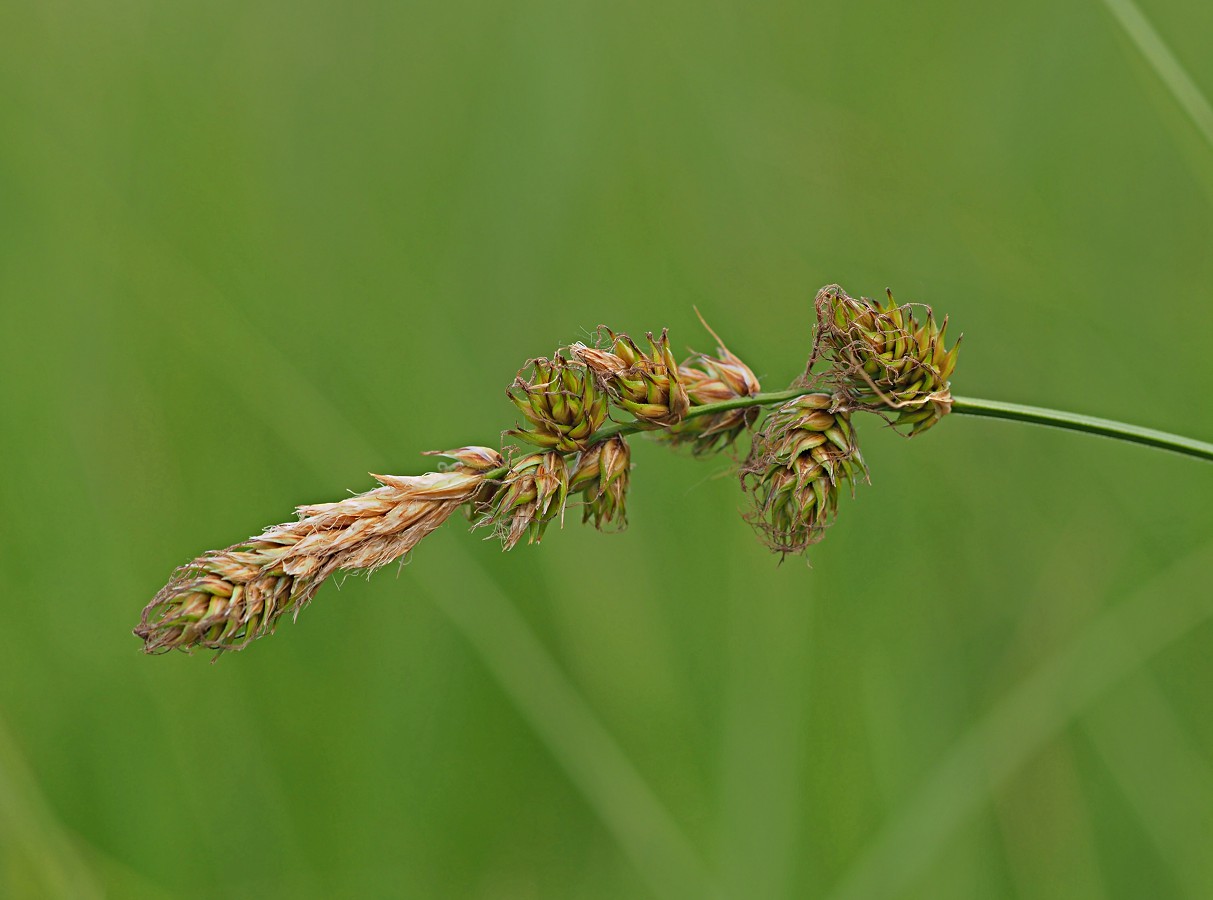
(646, 384)
(800, 458)
(529, 497)
(562, 403)
(887, 360)
(225, 599)
(601, 474)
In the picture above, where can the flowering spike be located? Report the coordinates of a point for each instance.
(225, 599)
(647, 385)
(881, 356)
(531, 494)
(601, 474)
(713, 379)
(884, 358)
(797, 464)
(561, 402)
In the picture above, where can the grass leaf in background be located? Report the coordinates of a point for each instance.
(249, 253)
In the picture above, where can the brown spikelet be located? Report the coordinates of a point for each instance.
(225, 599)
(715, 379)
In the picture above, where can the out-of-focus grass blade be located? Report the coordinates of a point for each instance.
(533, 681)
(764, 736)
(1113, 646)
(595, 763)
(1169, 70)
(27, 822)
(1164, 776)
(1059, 849)
(590, 756)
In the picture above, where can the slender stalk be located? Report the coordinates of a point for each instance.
(768, 399)
(965, 406)
(994, 409)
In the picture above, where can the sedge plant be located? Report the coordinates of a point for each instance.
(578, 409)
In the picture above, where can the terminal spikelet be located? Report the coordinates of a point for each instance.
(885, 359)
(225, 599)
(646, 384)
(804, 453)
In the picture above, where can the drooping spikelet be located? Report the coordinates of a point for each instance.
(226, 598)
(562, 403)
(714, 379)
(531, 494)
(601, 475)
(800, 458)
(647, 385)
(885, 359)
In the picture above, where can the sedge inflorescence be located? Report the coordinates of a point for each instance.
(886, 358)
(800, 459)
(867, 356)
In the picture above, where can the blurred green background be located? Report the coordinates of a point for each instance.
(251, 251)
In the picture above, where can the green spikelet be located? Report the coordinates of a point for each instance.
(601, 474)
(531, 494)
(562, 403)
(713, 379)
(798, 462)
(226, 599)
(646, 384)
(885, 359)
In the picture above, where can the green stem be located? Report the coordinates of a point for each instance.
(769, 399)
(1015, 412)
(965, 406)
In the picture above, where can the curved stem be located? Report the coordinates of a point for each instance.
(1037, 415)
(965, 406)
(768, 399)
